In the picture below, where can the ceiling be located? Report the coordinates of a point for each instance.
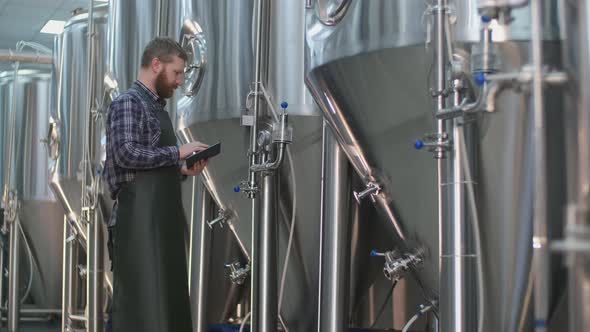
(23, 19)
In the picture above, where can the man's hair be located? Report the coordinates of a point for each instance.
(164, 49)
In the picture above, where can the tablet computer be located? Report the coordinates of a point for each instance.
(209, 152)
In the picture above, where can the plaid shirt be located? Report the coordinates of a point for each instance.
(133, 132)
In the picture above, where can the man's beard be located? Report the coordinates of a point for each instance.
(163, 89)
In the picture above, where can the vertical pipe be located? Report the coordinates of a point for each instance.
(201, 252)
(261, 75)
(540, 248)
(335, 237)
(457, 257)
(449, 321)
(432, 322)
(255, 280)
(14, 276)
(2, 257)
(70, 277)
(66, 298)
(95, 284)
(94, 257)
(267, 288)
(259, 261)
(579, 220)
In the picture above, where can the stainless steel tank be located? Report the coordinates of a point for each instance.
(40, 214)
(370, 69)
(71, 114)
(227, 49)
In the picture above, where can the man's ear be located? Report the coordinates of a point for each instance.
(156, 65)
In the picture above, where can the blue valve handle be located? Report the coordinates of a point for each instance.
(237, 189)
(479, 78)
(284, 105)
(486, 19)
(419, 144)
(374, 253)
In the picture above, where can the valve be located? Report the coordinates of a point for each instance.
(371, 190)
(237, 273)
(436, 143)
(221, 218)
(397, 265)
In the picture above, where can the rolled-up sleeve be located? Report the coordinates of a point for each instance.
(125, 122)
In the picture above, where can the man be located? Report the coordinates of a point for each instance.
(146, 232)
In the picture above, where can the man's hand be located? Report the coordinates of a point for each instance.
(191, 147)
(195, 170)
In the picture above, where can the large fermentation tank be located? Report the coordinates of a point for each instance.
(370, 69)
(40, 214)
(227, 50)
(71, 114)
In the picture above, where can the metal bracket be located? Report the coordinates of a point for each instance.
(371, 190)
(221, 218)
(238, 274)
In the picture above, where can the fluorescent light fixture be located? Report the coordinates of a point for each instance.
(53, 27)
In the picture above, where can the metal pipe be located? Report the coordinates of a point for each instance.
(95, 279)
(254, 260)
(95, 252)
(31, 319)
(273, 165)
(457, 292)
(200, 254)
(261, 75)
(263, 294)
(35, 311)
(78, 318)
(14, 276)
(2, 257)
(24, 57)
(69, 277)
(441, 61)
(266, 316)
(578, 224)
(540, 247)
(335, 235)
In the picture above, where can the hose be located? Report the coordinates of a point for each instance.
(31, 263)
(415, 317)
(476, 231)
(291, 232)
(245, 321)
(293, 219)
(382, 309)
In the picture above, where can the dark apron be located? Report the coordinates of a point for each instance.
(149, 258)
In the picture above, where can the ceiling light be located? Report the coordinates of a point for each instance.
(53, 27)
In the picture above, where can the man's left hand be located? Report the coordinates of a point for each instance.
(195, 170)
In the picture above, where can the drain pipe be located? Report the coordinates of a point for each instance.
(94, 231)
(540, 245)
(263, 309)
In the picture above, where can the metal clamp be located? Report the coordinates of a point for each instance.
(371, 190)
(12, 205)
(221, 218)
(237, 273)
(436, 143)
(247, 189)
(397, 265)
